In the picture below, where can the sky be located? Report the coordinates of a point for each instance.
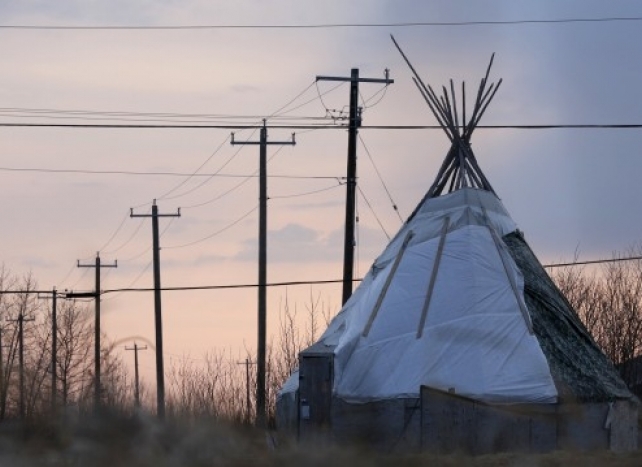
(569, 190)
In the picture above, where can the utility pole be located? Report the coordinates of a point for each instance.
(351, 185)
(248, 402)
(136, 387)
(97, 265)
(54, 348)
(2, 387)
(262, 295)
(160, 368)
(21, 360)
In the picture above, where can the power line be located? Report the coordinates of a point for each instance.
(328, 111)
(108, 242)
(307, 193)
(294, 283)
(81, 113)
(229, 286)
(373, 212)
(228, 226)
(382, 92)
(230, 190)
(281, 110)
(336, 281)
(132, 283)
(129, 239)
(231, 120)
(595, 261)
(322, 25)
(273, 115)
(161, 174)
(394, 205)
(225, 164)
(148, 248)
(169, 117)
(187, 179)
(622, 126)
(192, 175)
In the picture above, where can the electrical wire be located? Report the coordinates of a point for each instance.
(403, 24)
(148, 248)
(392, 201)
(329, 111)
(71, 270)
(166, 195)
(357, 233)
(82, 276)
(232, 224)
(155, 174)
(595, 261)
(24, 112)
(318, 97)
(293, 283)
(231, 121)
(274, 114)
(373, 212)
(141, 254)
(383, 91)
(189, 177)
(234, 188)
(307, 193)
(619, 126)
(137, 255)
(138, 277)
(208, 179)
(281, 110)
(131, 237)
(114, 234)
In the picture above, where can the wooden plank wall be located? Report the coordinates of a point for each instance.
(451, 423)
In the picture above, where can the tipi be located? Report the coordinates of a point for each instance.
(455, 323)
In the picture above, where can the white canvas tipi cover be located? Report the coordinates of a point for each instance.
(442, 306)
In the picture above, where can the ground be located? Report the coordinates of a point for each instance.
(141, 441)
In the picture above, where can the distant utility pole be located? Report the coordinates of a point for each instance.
(160, 368)
(54, 347)
(3, 388)
(248, 402)
(97, 265)
(136, 382)
(1, 364)
(21, 360)
(262, 321)
(351, 186)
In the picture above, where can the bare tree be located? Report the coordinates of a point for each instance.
(609, 302)
(75, 336)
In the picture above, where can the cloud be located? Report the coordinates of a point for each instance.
(296, 243)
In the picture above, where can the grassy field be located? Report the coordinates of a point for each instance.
(142, 441)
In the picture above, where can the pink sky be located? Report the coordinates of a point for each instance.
(565, 188)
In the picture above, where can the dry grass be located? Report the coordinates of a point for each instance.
(141, 441)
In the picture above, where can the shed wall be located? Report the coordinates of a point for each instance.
(451, 423)
(388, 426)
